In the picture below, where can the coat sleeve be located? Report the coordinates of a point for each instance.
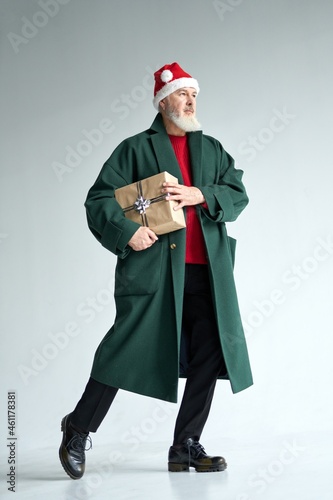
(105, 217)
(227, 198)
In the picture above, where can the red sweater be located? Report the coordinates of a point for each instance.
(195, 245)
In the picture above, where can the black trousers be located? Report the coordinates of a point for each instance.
(200, 343)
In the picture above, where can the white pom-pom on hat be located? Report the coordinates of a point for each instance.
(166, 76)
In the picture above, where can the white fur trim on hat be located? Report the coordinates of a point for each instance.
(170, 87)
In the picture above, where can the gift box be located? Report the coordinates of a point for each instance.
(143, 202)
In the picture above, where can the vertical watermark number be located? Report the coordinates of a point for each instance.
(11, 441)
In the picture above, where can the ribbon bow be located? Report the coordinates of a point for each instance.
(141, 204)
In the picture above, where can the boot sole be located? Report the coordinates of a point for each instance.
(177, 467)
(172, 467)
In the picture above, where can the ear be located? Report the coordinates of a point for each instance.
(162, 104)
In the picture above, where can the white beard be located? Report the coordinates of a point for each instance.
(186, 123)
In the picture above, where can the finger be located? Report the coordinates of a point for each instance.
(174, 197)
(179, 206)
(170, 184)
(171, 190)
(151, 235)
(175, 188)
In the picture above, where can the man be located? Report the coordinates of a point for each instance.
(176, 305)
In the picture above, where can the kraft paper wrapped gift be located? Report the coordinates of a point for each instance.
(143, 202)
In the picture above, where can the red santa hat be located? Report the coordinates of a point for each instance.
(170, 78)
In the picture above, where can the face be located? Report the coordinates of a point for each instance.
(182, 102)
(180, 108)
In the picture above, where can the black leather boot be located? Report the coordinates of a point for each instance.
(72, 449)
(192, 454)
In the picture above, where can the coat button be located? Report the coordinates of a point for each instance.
(173, 246)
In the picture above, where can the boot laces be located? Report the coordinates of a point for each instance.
(78, 444)
(196, 446)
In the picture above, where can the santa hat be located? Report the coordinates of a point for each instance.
(170, 78)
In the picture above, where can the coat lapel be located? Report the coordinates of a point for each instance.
(166, 158)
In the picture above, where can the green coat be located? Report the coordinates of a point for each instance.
(141, 351)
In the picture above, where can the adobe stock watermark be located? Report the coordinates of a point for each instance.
(74, 156)
(94, 478)
(265, 476)
(138, 434)
(257, 143)
(87, 310)
(121, 108)
(292, 279)
(30, 27)
(133, 438)
(225, 7)
(58, 341)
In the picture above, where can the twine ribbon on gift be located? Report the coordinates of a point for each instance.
(142, 204)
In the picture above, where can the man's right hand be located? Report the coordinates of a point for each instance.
(142, 239)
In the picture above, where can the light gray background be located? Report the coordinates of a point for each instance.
(91, 61)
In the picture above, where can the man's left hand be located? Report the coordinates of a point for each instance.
(185, 195)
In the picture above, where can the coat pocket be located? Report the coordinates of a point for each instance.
(232, 247)
(140, 272)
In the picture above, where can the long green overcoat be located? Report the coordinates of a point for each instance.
(141, 351)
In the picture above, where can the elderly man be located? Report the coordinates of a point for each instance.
(177, 313)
